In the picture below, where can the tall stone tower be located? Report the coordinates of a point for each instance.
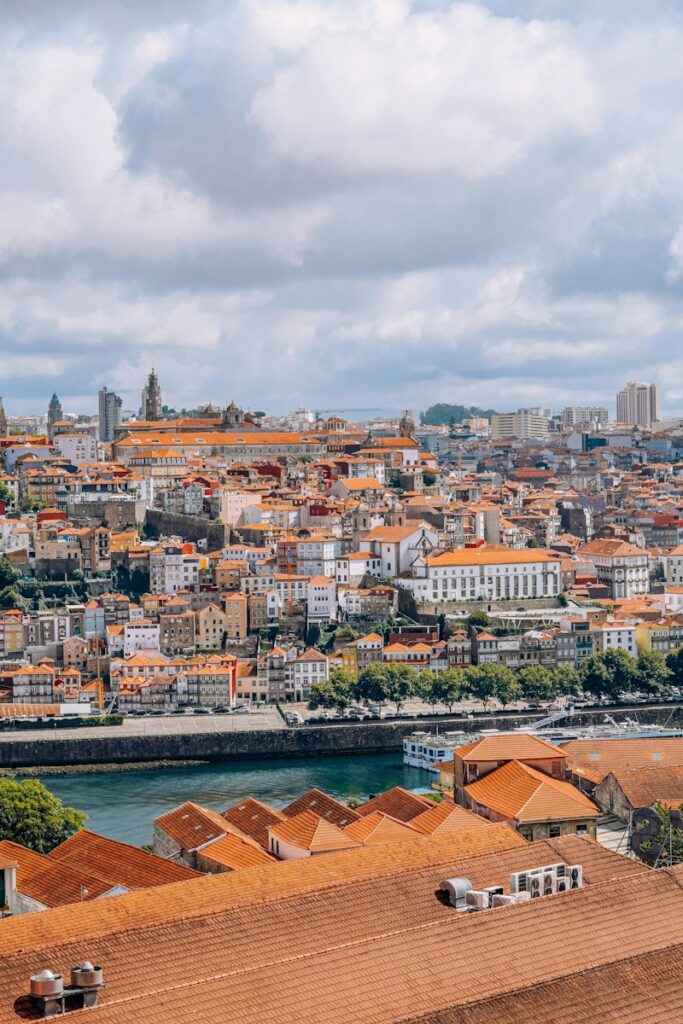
(151, 398)
(407, 426)
(54, 415)
(4, 430)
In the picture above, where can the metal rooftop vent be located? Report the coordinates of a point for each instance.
(457, 889)
(51, 998)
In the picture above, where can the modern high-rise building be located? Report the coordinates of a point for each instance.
(638, 404)
(54, 415)
(584, 416)
(110, 414)
(524, 423)
(150, 407)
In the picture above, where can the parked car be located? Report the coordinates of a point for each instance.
(200, 711)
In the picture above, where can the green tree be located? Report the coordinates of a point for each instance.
(674, 662)
(334, 692)
(11, 598)
(537, 683)
(371, 686)
(566, 679)
(429, 478)
(6, 494)
(479, 620)
(652, 672)
(32, 816)
(443, 413)
(608, 673)
(493, 681)
(401, 683)
(669, 838)
(313, 635)
(426, 687)
(450, 687)
(8, 574)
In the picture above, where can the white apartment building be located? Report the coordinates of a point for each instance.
(352, 567)
(524, 423)
(621, 566)
(488, 574)
(310, 667)
(620, 636)
(322, 600)
(140, 635)
(77, 448)
(316, 555)
(673, 566)
(171, 570)
(584, 416)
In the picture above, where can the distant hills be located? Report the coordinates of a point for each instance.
(443, 414)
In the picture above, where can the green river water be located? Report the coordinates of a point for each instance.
(122, 805)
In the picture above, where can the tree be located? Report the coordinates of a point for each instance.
(493, 681)
(609, 673)
(674, 662)
(652, 672)
(333, 692)
(32, 816)
(536, 682)
(566, 679)
(401, 683)
(11, 598)
(449, 687)
(429, 479)
(442, 413)
(669, 838)
(313, 635)
(6, 493)
(480, 620)
(427, 687)
(8, 574)
(372, 684)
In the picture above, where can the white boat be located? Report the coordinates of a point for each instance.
(426, 750)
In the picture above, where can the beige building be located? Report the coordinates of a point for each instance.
(235, 616)
(211, 624)
(524, 423)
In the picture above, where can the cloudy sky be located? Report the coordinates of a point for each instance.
(341, 203)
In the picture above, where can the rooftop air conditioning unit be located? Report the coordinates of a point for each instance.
(493, 890)
(477, 899)
(457, 889)
(575, 873)
(500, 900)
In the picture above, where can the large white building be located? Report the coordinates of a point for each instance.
(398, 547)
(638, 404)
(584, 416)
(621, 566)
(487, 574)
(524, 423)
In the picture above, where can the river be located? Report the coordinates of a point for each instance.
(123, 805)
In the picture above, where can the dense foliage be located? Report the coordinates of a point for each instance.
(443, 413)
(31, 815)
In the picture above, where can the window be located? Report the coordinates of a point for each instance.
(582, 830)
(554, 831)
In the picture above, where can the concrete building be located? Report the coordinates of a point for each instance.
(638, 404)
(109, 414)
(523, 424)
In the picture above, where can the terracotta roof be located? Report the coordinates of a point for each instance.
(253, 819)
(118, 863)
(447, 817)
(643, 787)
(397, 802)
(352, 952)
(594, 759)
(493, 555)
(48, 882)
(519, 746)
(235, 853)
(379, 828)
(324, 806)
(191, 825)
(522, 794)
(310, 832)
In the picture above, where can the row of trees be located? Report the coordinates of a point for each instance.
(609, 673)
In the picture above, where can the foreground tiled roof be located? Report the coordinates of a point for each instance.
(399, 803)
(118, 863)
(521, 793)
(352, 950)
(324, 806)
(253, 818)
(594, 759)
(50, 883)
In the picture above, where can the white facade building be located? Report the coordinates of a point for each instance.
(488, 574)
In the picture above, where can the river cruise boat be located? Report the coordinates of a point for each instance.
(425, 750)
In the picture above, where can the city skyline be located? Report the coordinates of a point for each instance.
(269, 201)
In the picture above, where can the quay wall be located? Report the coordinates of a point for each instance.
(301, 741)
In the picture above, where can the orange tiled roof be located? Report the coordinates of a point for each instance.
(190, 825)
(511, 746)
(310, 832)
(118, 863)
(447, 817)
(234, 852)
(397, 802)
(377, 828)
(520, 793)
(324, 806)
(47, 882)
(594, 759)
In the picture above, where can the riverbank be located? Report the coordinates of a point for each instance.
(214, 745)
(41, 771)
